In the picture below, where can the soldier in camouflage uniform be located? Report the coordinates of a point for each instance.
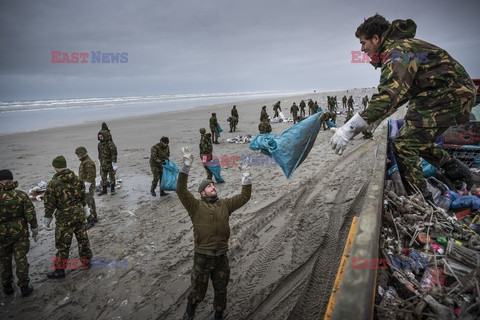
(350, 103)
(214, 128)
(233, 123)
(107, 154)
(439, 90)
(87, 172)
(323, 120)
(349, 115)
(276, 109)
(294, 112)
(263, 113)
(344, 102)
(65, 197)
(206, 150)
(365, 102)
(234, 112)
(106, 131)
(302, 106)
(264, 126)
(211, 228)
(310, 107)
(159, 154)
(16, 213)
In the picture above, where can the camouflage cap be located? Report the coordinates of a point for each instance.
(59, 162)
(204, 184)
(81, 151)
(202, 130)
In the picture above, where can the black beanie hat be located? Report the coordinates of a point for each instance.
(6, 174)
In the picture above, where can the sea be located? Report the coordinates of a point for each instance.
(22, 116)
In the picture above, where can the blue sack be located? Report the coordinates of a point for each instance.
(219, 129)
(428, 170)
(331, 124)
(470, 201)
(214, 167)
(169, 176)
(292, 146)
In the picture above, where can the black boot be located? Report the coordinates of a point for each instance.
(457, 170)
(103, 191)
(218, 315)
(112, 189)
(162, 193)
(8, 289)
(190, 312)
(57, 274)
(26, 290)
(152, 192)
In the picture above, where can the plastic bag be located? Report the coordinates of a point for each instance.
(331, 124)
(292, 146)
(219, 129)
(214, 167)
(169, 176)
(428, 170)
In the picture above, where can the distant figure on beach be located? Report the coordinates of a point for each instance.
(263, 113)
(365, 102)
(87, 173)
(233, 123)
(326, 116)
(439, 93)
(316, 107)
(16, 214)
(214, 128)
(107, 154)
(234, 112)
(65, 197)
(350, 103)
(159, 154)
(294, 112)
(344, 102)
(206, 150)
(276, 109)
(302, 106)
(310, 107)
(349, 115)
(264, 126)
(211, 228)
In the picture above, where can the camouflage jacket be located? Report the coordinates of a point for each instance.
(263, 115)
(213, 122)
(439, 90)
(302, 105)
(158, 153)
(211, 227)
(264, 127)
(234, 113)
(294, 109)
(65, 196)
(16, 210)
(107, 150)
(277, 106)
(87, 171)
(206, 147)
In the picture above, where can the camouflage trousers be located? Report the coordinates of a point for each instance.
(17, 249)
(209, 173)
(215, 268)
(106, 168)
(233, 126)
(63, 239)
(302, 112)
(294, 117)
(90, 200)
(276, 114)
(214, 134)
(157, 175)
(413, 143)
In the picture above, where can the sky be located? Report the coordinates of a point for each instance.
(209, 46)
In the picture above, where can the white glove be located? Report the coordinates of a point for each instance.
(47, 221)
(87, 187)
(187, 160)
(246, 178)
(346, 132)
(87, 210)
(35, 234)
(115, 166)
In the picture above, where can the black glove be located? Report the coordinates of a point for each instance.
(164, 162)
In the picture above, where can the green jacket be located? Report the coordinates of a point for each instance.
(65, 196)
(206, 146)
(439, 90)
(16, 210)
(264, 127)
(107, 150)
(158, 153)
(87, 171)
(211, 228)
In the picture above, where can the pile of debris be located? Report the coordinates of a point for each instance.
(429, 259)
